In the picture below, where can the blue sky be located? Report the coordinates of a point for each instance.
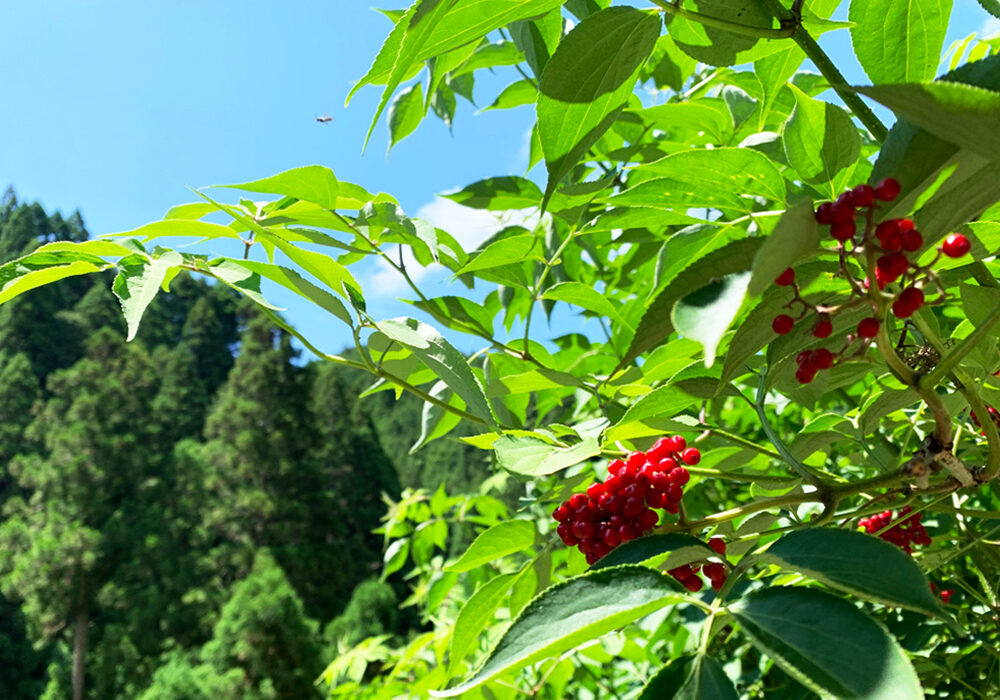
(115, 108)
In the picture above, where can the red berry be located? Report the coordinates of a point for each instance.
(824, 213)
(802, 358)
(785, 278)
(946, 595)
(577, 500)
(905, 225)
(715, 571)
(805, 374)
(675, 493)
(783, 324)
(911, 240)
(595, 490)
(956, 245)
(843, 231)
(841, 212)
(680, 475)
(823, 328)
(584, 529)
(910, 299)
(562, 513)
(693, 584)
(864, 195)
(682, 572)
(677, 443)
(887, 228)
(691, 456)
(718, 544)
(868, 327)
(660, 450)
(627, 532)
(887, 190)
(648, 519)
(820, 358)
(892, 266)
(656, 498)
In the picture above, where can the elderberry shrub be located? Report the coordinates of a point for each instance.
(887, 246)
(623, 506)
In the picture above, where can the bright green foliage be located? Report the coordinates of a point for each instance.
(679, 185)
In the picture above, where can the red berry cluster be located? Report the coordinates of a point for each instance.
(903, 534)
(622, 507)
(889, 244)
(688, 576)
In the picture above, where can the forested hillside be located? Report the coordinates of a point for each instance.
(168, 500)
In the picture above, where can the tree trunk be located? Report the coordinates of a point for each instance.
(79, 652)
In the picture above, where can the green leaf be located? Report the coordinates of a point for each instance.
(460, 313)
(706, 681)
(434, 27)
(38, 269)
(494, 543)
(656, 324)
(710, 115)
(138, 280)
(587, 80)
(193, 210)
(419, 21)
(323, 267)
(245, 276)
(310, 183)
(705, 314)
(979, 304)
(571, 613)
(475, 615)
(192, 228)
(586, 297)
(102, 248)
(896, 41)
(444, 360)
(964, 115)
(726, 179)
(716, 46)
(516, 94)
(505, 251)
(773, 73)
(498, 194)
(991, 6)
(796, 236)
(820, 140)
(920, 161)
(827, 644)
(530, 456)
(860, 564)
(643, 549)
(662, 403)
(405, 113)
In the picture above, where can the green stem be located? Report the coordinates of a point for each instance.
(797, 466)
(549, 262)
(742, 442)
(727, 25)
(967, 387)
(830, 71)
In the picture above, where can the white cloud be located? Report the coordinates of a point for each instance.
(469, 227)
(990, 26)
